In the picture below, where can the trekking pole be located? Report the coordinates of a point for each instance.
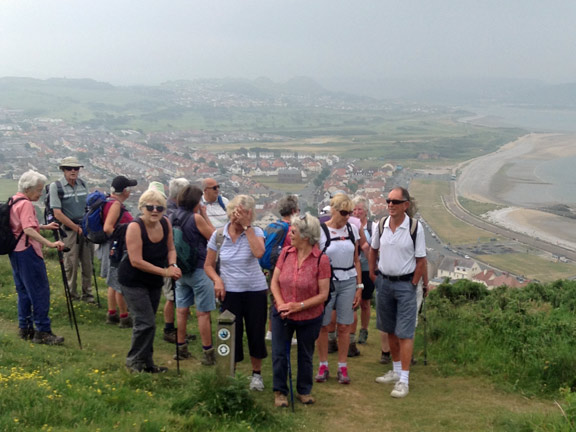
(96, 284)
(288, 346)
(176, 343)
(69, 303)
(61, 260)
(423, 312)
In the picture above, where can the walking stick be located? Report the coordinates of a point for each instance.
(176, 342)
(288, 346)
(96, 284)
(69, 303)
(423, 313)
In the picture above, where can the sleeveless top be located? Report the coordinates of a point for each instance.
(154, 253)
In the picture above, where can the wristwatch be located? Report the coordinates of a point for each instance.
(246, 227)
(174, 265)
(360, 286)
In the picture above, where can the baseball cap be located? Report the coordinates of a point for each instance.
(120, 183)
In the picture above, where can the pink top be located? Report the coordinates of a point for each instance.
(300, 284)
(126, 217)
(23, 215)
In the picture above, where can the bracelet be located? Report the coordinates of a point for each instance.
(360, 286)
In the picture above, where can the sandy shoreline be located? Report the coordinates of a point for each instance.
(508, 173)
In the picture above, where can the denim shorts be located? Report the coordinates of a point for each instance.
(195, 288)
(396, 307)
(341, 301)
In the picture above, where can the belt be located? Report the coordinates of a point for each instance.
(403, 278)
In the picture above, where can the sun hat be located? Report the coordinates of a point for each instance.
(70, 162)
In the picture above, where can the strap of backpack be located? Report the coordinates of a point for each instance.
(327, 234)
(413, 230)
(221, 202)
(381, 225)
(11, 203)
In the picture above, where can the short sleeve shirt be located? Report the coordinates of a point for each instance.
(23, 215)
(397, 255)
(239, 268)
(298, 284)
(216, 213)
(73, 203)
(341, 251)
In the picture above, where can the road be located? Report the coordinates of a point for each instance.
(459, 212)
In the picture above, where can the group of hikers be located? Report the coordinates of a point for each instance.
(199, 249)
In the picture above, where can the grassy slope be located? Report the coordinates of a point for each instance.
(96, 391)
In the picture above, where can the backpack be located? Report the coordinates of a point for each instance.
(330, 240)
(93, 220)
(7, 240)
(186, 252)
(413, 230)
(275, 234)
(48, 211)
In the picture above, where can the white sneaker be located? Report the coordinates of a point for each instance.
(294, 341)
(389, 377)
(400, 390)
(256, 382)
(268, 335)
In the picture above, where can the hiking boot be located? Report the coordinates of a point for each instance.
(389, 377)
(26, 333)
(332, 346)
(209, 357)
(170, 335)
(47, 338)
(256, 382)
(112, 319)
(362, 336)
(323, 374)
(125, 322)
(88, 299)
(183, 353)
(74, 296)
(155, 369)
(353, 350)
(400, 390)
(306, 399)
(280, 400)
(190, 337)
(343, 377)
(385, 358)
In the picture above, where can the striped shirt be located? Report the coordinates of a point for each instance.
(239, 269)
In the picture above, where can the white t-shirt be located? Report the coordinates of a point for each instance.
(397, 255)
(341, 251)
(216, 213)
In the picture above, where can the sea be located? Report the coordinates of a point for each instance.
(558, 176)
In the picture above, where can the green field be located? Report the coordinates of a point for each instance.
(531, 266)
(7, 188)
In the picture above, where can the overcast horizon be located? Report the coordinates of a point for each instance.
(150, 42)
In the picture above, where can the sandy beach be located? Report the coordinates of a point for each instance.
(509, 177)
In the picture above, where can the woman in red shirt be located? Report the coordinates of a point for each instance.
(300, 286)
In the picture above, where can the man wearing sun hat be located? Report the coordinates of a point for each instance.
(68, 201)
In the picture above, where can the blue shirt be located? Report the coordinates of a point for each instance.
(239, 268)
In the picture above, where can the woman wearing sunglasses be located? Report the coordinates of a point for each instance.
(300, 286)
(151, 257)
(340, 240)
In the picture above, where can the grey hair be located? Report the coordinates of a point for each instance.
(175, 186)
(288, 205)
(359, 199)
(244, 201)
(30, 179)
(309, 227)
(413, 208)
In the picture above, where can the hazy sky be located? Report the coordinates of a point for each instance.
(151, 41)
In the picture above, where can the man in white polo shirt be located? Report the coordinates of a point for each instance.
(401, 264)
(214, 202)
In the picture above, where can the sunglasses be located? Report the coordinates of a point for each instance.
(158, 208)
(395, 202)
(72, 168)
(345, 213)
(214, 188)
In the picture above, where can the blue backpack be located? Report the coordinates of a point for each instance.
(93, 220)
(275, 234)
